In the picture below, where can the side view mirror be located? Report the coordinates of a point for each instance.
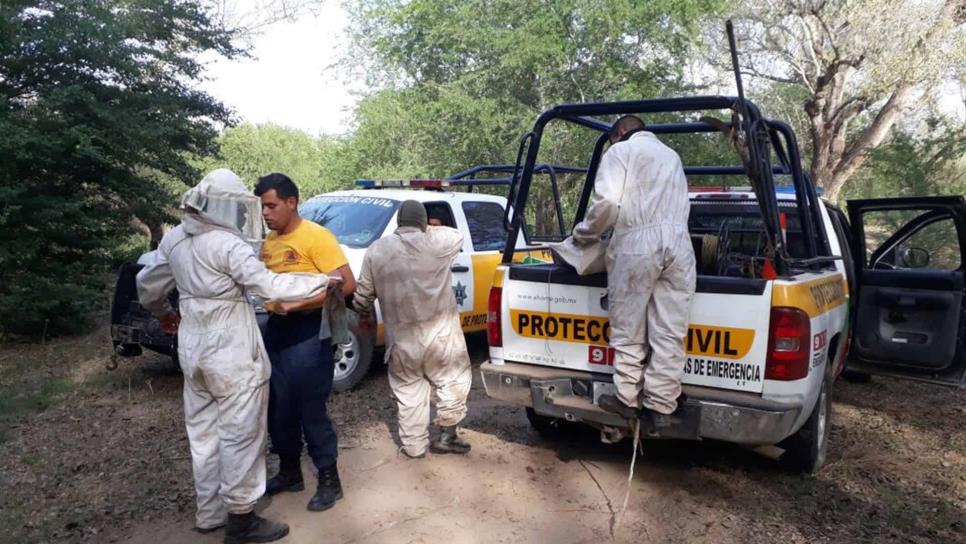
(914, 257)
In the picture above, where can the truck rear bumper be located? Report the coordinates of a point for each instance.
(707, 413)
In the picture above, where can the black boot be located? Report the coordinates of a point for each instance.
(250, 527)
(208, 530)
(449, 441)
(612, 404)
(328, 491)
(652, 423)
(289, 478)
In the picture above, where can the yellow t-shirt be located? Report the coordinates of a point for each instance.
(309, 248)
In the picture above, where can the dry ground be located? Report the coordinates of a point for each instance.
(88, 455)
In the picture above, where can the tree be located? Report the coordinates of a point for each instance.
(861, 64)
(931, 161)
(252, 151)
(461, 82)
(99, 113)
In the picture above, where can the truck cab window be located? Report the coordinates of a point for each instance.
(439, 213)
(911, 239)
(485, 220)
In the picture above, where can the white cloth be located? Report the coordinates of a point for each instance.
(409, 272)
(650, 266)
(587, 258)
(225, 366)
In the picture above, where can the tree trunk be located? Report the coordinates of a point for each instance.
(157, 232)
(834, 159)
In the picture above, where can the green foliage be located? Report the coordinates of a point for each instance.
(463, 81)
(930, 162)
(251, 151)
(98, 111)
(533, 53)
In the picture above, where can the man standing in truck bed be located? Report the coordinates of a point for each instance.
(641, 191)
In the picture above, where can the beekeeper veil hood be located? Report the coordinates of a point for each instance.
(221, 199)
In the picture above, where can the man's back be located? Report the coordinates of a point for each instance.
(655, 188)
(411, 274)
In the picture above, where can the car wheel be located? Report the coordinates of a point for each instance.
(805, 450)
(549, 428)
(352, 360)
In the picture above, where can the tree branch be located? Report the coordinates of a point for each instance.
(871, 137)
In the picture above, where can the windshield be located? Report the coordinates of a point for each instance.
(356, 221)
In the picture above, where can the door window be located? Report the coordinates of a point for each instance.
(920, 239)
(440, 214)
(485, 220)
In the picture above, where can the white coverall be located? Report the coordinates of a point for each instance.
(641, 191)
(225, 366)
(409, 272)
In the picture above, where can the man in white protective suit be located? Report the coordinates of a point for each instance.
(210, 259)
(409, 272)
(641, 191)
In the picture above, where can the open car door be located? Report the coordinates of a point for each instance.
(908, 312)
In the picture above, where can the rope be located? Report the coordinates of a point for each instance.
(630, 478)
(709, 253)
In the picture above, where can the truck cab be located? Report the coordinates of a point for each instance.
(782, 289)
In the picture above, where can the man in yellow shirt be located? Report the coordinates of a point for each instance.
(302, 362)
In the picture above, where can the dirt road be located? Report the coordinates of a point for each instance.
(102, 457)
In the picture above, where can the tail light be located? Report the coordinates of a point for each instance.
(789, 345)
(494, 334)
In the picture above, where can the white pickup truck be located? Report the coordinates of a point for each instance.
(778, 299)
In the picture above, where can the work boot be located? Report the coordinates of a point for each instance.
(287, 479)
(250, 527)
(328, 491)
(208, 530)
(612, 404)
(652, 422)
(449, 441)
(411, 456)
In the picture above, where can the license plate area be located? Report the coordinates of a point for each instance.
(126, 335)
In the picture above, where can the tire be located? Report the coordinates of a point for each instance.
(352, 360)
(856, 377)
(805, 450)
(549, 428)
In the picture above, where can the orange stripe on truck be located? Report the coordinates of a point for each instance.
(813, 297)
(702, 340)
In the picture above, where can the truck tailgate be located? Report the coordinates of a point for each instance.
(553, 317)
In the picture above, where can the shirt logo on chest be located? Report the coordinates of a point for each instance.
(290, 257)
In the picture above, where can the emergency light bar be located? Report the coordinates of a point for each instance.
(427, 183)
(718, 189)
(403, 183)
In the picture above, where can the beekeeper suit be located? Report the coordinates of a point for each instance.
(642, 192)
(409, 272)
(225, 366)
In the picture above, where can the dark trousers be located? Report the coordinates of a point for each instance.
(302, 367)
